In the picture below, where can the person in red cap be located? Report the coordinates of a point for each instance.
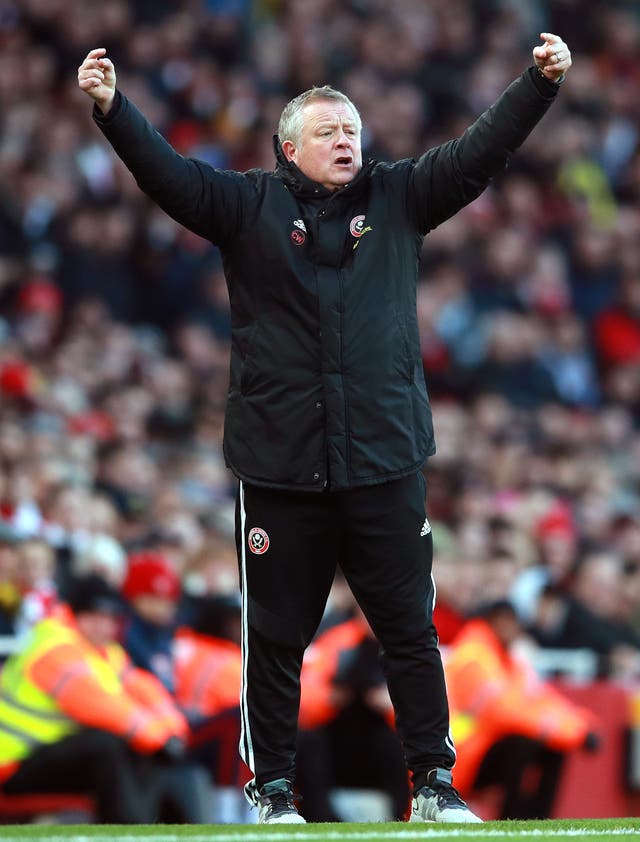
(38, 314)
(152, 590)
(40, 295)
(556, 538)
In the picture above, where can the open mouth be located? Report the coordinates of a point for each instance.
(344, 161)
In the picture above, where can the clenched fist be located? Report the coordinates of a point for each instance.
(553, 58)
(97, 77)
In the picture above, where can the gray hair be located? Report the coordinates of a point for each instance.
(292, 118)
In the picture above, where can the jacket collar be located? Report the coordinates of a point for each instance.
(303, 187)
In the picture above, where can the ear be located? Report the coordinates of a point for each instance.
(289, 150)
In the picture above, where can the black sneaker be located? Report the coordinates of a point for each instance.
(276, 805)
(439, 801)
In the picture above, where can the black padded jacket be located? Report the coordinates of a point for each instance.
(326, 381)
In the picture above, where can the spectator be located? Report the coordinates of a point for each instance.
(617, 329)
(347, 736)
(208, 667)
(556, 538)
(570, 362)
(37, 562)
(104, 556)
(512, 367)
(506, 723)
(102, 730)
(152, 590)
(586, 613)
(459, 578)
(207, 659)
(9, 579)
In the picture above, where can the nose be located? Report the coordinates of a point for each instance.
(342, 139)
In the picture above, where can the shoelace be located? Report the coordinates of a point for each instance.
(281, 802)
(447, 796)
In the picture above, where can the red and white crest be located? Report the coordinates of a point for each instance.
(356, 226)
(258, 541)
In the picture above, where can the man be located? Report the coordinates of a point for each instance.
(9, 578)
(75, 716)
(514, 730)
(152, 589)
(346, 726)
(328, 422)
(208, 674)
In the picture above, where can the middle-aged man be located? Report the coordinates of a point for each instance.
(328, 423)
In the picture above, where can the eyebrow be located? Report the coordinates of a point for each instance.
(327, 122)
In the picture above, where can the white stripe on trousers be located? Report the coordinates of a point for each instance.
(246, 743)
(449, 738)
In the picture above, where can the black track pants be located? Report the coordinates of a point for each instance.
(289, 544)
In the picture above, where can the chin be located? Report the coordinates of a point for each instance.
(343, 179)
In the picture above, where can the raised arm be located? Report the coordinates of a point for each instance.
(211, 202)
(450, 176)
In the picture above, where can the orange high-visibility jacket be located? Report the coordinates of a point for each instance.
(59, 683)
(493, 694)
(319, 669)
(207, 672)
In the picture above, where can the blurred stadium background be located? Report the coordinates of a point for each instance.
(114, 324)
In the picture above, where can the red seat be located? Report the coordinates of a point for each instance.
(29, 806)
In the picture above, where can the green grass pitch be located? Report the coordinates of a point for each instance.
(592, 830)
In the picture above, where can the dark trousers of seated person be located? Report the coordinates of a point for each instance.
(126, 786)
(213, 745)
(528, 773)
(359, 750)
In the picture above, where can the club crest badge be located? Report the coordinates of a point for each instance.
(356, 226)
(258, 541)
(298, 237)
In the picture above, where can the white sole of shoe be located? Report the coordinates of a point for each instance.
(290, 819)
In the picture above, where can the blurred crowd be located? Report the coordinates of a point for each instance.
(114, 322)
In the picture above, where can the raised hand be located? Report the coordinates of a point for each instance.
(97, 77)
(553, 58)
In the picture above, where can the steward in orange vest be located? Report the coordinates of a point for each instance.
(75, 716)
(207, 674)
(509, 727)
(207, 670)
(347, 731)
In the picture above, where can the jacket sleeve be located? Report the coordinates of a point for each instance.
(211, 202)
(448, 177)
(63, 673)
(520, 705)
(316, 699)
(151, 694)
(223, 693)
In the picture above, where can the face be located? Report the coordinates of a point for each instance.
(329, 149)
(98, 627)
(507, 628)
(159, 610)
